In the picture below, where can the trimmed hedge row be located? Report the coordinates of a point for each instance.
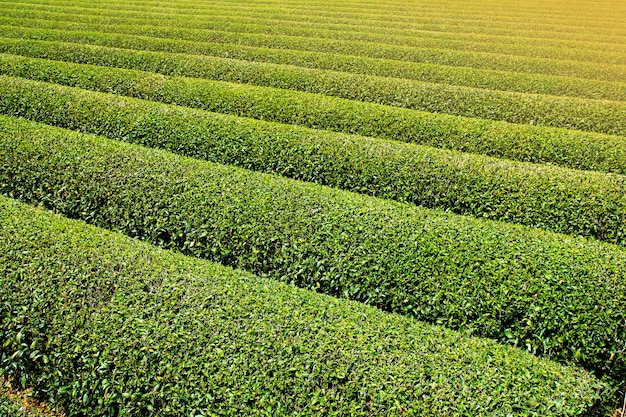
(557, 199)
(423, 21)
(355, 10)
(147, 22)
(569, 148)
(599, 116)
(500, 62)
(106, 325)
(554, 295)
(445, 74)
(281, 24)
(504, 62)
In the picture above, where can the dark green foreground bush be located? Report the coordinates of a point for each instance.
(104, 325)
(553, 198)
(601, 116)
(554, 295)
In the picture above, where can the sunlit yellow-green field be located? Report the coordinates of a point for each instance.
(313, 207)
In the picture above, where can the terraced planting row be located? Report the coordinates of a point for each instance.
(361, 10)
(323, 15)
(562, 200)
(323, 146)
(433, 30)
(598, 116)
(568, 148)
(185, 32)
(491, 279)
(277, 24)
(150, 24)
(251, 346)
(435, 73)
(476, 59)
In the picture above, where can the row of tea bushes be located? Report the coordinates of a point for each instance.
(287, 25)
(445, 74)
(554, 198)
(322, 18)
(601, 116)
(471, 59)
(291, 37)
(574, 149)
(551, 294)
(105, 325)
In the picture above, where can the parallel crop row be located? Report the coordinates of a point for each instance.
(429, 72)
(599, 116)
(283, 24)
(205, 38)
(355, 14)
(357, 9)
(569, 148)
(557, 199)
(554, 295)
(590, 15)
(426, 203)
(157, 23)
(475, 24)
(134, 330)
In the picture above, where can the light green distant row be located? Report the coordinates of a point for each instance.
(437, 67)
(600, 116)
(483, 19)
(289, 33)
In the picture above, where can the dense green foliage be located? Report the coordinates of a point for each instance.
(412, 101)
(106, 325)
(459, 55)
(430, 70)
(557, 199)
(602, 116)
(554, 295)
(526, 25)
(569, 148)
(231, 30)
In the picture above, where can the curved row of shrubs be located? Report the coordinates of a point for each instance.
(549, 31)
(379, 18)
(598, 116)
(104, 325)
(472, 59)
(569, 201)
(158, 24)
(445, 74)
(551, 294)
(290, 25)
(569, 148)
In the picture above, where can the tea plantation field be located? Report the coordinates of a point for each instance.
(277, 207)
